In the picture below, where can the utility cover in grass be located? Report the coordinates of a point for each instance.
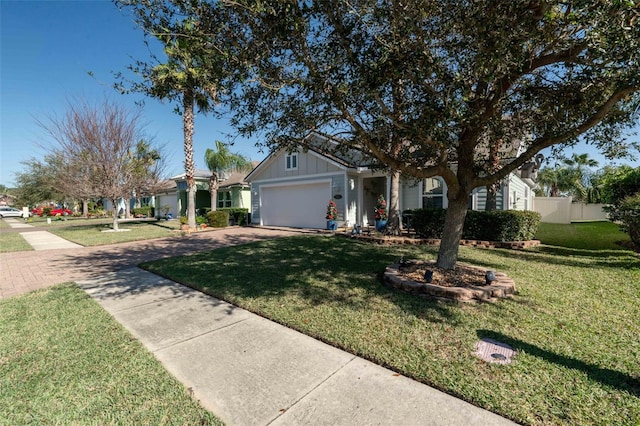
(490, 350)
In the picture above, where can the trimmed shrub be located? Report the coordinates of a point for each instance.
(218, 219)
(506, 225)
(142, 211)
(497, 225)
(428, 223)
(238, 215)
(627, 212)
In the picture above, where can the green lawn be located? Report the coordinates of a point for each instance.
(582, 235)
(57, 222)
(574, 320)
(90, 232)
(64, 360)
(13, 241)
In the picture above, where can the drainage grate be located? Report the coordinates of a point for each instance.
(490, 350)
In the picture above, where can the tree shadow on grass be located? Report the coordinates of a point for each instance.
(545, 255)
(327, 272)
(608, 377)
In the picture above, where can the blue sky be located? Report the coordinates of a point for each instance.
(47, 49)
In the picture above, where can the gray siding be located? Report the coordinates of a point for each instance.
(481, 198)
(338, 188)
(410, 196)
(308, 164)
(518, 191)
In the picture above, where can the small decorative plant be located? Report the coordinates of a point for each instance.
(380, 211)
(332, 211)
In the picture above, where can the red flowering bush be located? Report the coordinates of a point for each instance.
(381, 209)
(332, 211)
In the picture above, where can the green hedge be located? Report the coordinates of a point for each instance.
(627, 213)
(497, 225)
(428, 223)
(239, 215)
(218, 219)
(144, 211)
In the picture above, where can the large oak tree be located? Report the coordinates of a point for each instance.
(466, 90)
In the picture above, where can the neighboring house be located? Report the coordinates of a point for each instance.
(167, 196)
(233, 191)
(293, 189)
(6, 200)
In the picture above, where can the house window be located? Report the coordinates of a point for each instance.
(432, 193)
(224, 199)
(291, 161)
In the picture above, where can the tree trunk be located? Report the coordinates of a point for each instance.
(127, 208)
(393, 223)
(213, 190)
(453, 225)
(492, 191)
(189, 164)
(85, 208)
(115, 214)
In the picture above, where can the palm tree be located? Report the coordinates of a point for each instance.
(190, 75)
(220, 160)
(579, 165)
(183, 77)
(571, 178)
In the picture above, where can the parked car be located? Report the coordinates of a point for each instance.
(11, 212)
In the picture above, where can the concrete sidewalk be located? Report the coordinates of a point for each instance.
(245, 369)
(41, 240)
(251, 371)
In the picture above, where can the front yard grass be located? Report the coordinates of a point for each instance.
(574, 320)
(64, 360)
(90, 233)
(13, 241)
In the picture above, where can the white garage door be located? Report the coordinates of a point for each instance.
(300, 206)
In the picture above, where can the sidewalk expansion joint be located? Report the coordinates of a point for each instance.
(283, 412)
(213, 330)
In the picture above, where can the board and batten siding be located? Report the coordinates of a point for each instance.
(308, 163)
(410, 194)
(519, 195)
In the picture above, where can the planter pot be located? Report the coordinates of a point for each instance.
(380, 225)
(332, 225)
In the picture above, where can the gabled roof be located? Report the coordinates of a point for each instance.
(333, 148)
(235, 178)
(198, 174)
(327, 147)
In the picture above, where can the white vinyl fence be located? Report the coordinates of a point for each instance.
(562, 210)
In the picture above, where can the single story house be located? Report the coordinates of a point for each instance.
(233, 191)
(293, 189)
